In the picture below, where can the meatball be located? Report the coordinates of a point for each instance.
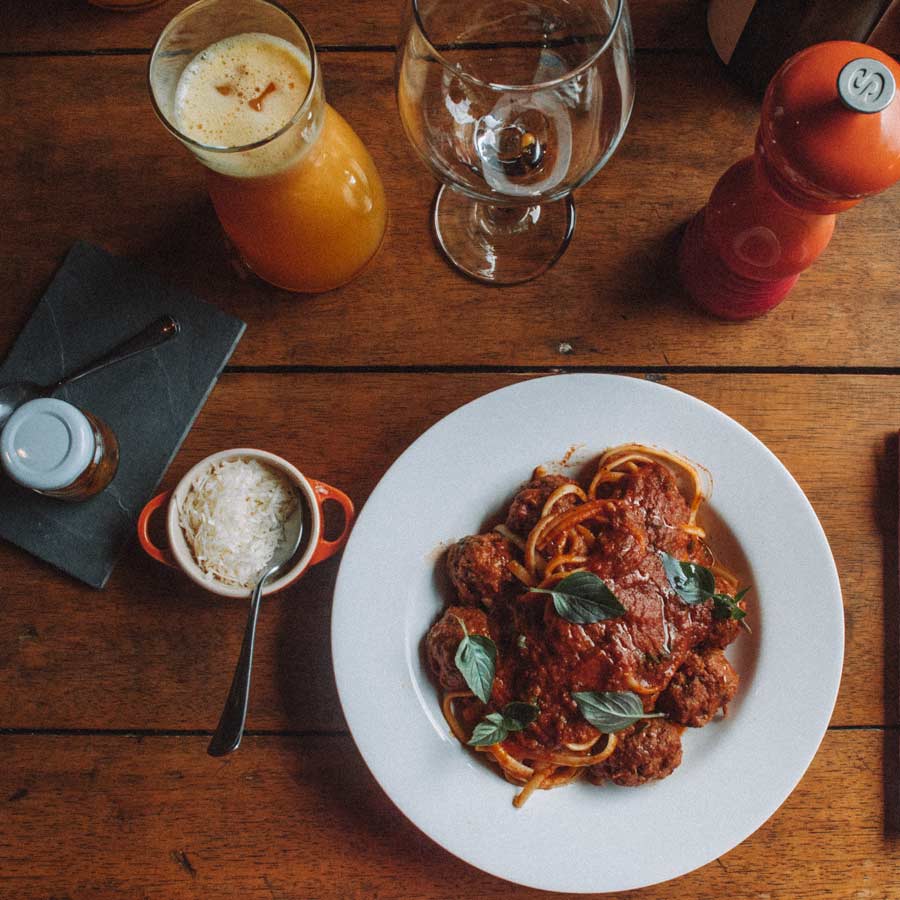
(621, 543)
(648, 750)
(479, 567)
(704, 683)
(443, 641)
(525, 510)
(721, 633)
(654, 490)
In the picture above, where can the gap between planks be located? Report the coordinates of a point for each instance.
(320, 48)
(274, 732)
(500, 369)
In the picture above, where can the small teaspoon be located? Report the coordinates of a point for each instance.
(230, 729)
(16, 393)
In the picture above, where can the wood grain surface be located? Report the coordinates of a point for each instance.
(63, 25)
(154, 651)
(287, 818)
(112, 175)
(107, 699)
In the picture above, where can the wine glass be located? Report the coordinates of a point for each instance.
(513, 104)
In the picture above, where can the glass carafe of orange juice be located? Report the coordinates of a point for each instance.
(238, 82)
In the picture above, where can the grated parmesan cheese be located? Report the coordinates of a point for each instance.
(233, 518)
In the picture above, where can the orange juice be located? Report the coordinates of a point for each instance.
(313, 226)
(293, 186)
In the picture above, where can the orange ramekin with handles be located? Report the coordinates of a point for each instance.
(315, 547)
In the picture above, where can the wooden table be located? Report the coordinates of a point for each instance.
(107, 699)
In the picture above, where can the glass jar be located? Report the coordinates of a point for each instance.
(56, 449)
(238, 82)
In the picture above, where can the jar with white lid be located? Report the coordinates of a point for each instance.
(59, 450)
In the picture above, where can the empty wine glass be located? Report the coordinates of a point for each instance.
(513, 104)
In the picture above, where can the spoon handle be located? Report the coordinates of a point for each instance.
(157, 332)
(231, 725)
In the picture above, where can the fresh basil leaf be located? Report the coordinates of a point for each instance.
(495, 727)
(611, 711)
(691, 581)
(518, 715)
(695, 584)
(726, 607)
(582, 598)
(476, 659)
(491, 730)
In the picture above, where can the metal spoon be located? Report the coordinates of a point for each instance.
(231, 725)
(14, 394)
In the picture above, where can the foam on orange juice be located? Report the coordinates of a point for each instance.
(239, 91)
(306, 209)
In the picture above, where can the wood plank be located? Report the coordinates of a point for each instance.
(67, 25)
(97, 165)
(60, 25)
(887, 33)
(152, 651)
(300, 818)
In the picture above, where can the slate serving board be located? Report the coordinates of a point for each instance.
(150, 401)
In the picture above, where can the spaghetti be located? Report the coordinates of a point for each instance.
(640, 505)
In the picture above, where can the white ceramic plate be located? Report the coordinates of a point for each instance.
(456, 479)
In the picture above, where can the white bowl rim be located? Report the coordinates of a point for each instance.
(178, 545)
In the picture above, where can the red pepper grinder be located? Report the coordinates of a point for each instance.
(829, 136)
